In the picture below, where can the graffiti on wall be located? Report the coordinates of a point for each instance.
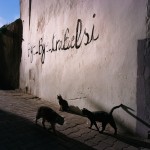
(82, 37)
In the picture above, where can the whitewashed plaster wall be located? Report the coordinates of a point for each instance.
(102, 73)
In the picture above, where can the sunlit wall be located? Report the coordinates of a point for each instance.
(83, 50)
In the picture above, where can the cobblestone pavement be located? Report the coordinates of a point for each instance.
(19, 132)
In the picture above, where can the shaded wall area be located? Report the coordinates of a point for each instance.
(143, 89)
(143, 80)
(10, 54)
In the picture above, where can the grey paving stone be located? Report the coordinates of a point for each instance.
(101, 146)
(118, 145)
(131, 148)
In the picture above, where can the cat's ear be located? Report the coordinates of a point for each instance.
(83, 109)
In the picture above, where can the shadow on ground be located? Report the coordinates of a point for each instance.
(19, 133)
(133, 141)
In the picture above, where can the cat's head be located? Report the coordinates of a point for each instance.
(60, 120)
(85, 111)
(59, 97)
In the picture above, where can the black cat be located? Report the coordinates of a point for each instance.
(63, 103)
(49, 115)
(101, 116)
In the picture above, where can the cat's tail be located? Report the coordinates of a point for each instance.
(111, 111)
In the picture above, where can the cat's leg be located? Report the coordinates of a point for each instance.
(103, 126)
(91, 124)
(60, 109)
(37, 117)
(65, 108)
(43, 122)
(36, 120)
(113, 124)
(96, 126)
(53, 127)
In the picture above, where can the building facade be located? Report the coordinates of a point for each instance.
(89, 52)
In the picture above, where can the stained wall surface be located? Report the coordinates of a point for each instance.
(84, 50)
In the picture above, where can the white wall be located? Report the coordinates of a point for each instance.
(104, 71)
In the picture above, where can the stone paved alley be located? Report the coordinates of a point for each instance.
(19, 132)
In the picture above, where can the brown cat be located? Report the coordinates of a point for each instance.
(49, 115)
(101, 116)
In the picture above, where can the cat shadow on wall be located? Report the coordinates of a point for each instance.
(127, 109)
(75, 110)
